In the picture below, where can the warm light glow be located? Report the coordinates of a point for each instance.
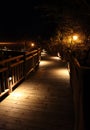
(32, 44)
(69, 39)
(16, 94)
(61, 73)
(45, 63)
(55, 58)
(10, 78)
(30, 92)
(75, 37)
(27, 90)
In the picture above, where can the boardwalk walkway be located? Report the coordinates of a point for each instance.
(42, 102)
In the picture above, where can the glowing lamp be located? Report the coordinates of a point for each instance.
(32, 44)
(75, 37)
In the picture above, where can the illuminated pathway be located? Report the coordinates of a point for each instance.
(42, 102)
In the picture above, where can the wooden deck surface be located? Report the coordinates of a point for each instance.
(42, 102)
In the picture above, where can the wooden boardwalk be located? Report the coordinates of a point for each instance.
(42, 102)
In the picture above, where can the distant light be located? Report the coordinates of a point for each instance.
(75, 37)
(32, 44)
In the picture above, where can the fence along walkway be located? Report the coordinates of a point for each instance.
(42, 102)
(16, 68)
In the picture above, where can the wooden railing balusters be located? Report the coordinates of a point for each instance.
(17, 68)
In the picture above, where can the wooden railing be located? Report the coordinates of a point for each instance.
(15, 69)
(32, 60)
(80, 83)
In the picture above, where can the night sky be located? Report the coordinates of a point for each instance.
(33, 18)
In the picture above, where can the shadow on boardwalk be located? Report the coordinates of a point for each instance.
(42, 102)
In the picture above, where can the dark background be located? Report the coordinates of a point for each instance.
(32, 19)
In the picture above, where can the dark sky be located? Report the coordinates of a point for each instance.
(24, 20)
(32, 18)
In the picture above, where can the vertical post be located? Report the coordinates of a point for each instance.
(10, 84)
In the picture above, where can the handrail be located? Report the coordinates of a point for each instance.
(16, 69)
(10, 59)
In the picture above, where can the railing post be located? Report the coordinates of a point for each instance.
(10, 86)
